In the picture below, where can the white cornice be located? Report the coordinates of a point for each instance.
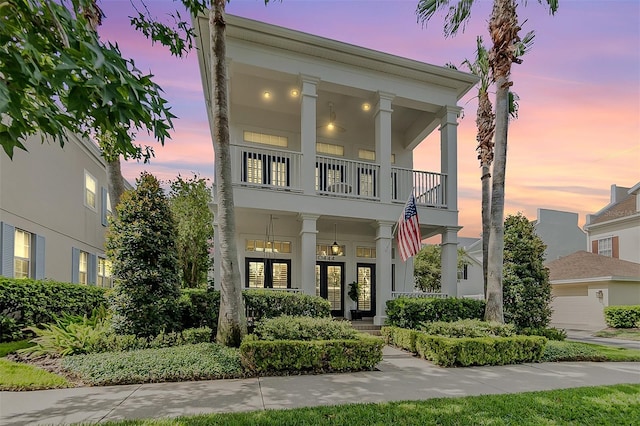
(595, 279)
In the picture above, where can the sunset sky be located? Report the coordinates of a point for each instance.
(578, 129)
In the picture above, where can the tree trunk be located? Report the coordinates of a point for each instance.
(115, 183)
(232, 322)
(485, 122)
(486, 221)
(504, 28)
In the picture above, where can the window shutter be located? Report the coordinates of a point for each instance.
(38, 257)
(91, 270)
(103, 206)
(615, 247)
(75, 265)
(594, 246)
(7, 236)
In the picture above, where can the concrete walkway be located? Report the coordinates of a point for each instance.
(400, 377)
(588, 337)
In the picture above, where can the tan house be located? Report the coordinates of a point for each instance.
(53, 213)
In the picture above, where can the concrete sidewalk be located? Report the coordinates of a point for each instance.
(588, 337)
(400, 377)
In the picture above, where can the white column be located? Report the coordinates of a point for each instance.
(449, 153)
(449, 261)
(216, 246)
(308, 94)
(308, 233)
(383, 143)
(384, 239)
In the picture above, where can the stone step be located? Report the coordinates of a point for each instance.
(366, 326)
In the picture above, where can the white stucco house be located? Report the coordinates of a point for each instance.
(323, 135)
(53, 212)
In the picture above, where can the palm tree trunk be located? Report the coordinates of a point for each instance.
(232, 322)
(486, 221)
(504, 28)
(485, 122)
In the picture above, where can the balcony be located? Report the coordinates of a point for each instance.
(281, 170)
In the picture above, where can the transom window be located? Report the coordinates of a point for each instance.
(367, 154)
(325, 250)
(331, 149)
(268, 273)
(605, 247)
(22, 254)
(104, 272)
(366, 252)
(90, 185)
(268, 246)
(83, 267)
(266, 139)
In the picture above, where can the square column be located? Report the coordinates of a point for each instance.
(308, 233)
(383, 143)
(449, 261)
(449, 153)
(384, 244)
(308, 132)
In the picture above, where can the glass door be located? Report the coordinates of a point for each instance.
(329, 285)
(367, 282)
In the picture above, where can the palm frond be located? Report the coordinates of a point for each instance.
(457, 16)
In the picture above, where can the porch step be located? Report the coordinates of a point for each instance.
(366, 326)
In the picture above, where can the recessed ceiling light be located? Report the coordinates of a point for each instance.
(295, 93)
(366, 106)
(266, 95)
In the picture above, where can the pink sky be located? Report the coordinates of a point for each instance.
(578, 130)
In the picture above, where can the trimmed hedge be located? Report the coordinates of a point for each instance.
(409, 312)
(286, 327)
(25, 302)
(316, 356)
(468, 328)
(627, 316)
(466, 351)
(550, 333)
(270, 304)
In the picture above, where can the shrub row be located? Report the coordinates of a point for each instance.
(550, 333)
(25, 302)
(622, 316)
(466, 351)
(409, 312)
(287, 327)
(204, 361)
(317, 356)
(468, 328)
(270, 304)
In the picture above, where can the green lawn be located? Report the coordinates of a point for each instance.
(620, 333)
(578, 351)
(18, 376)
(602, 405)
(9, 347)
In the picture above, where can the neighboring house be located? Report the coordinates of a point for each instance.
(614, 231)
(584, 283)
(470, 278)
(53, 213)
(323, 135)
(560, 232)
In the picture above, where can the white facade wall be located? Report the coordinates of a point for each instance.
(627, 229)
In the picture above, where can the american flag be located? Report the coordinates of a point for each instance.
(409, 241)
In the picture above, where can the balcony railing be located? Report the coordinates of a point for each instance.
(428, 187)
(347, 178)
(335, 177)
(417, 294)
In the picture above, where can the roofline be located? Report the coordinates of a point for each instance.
(595, 279)
(612, 221)
(634, 188)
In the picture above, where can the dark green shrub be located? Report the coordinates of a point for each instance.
(25, 303)
(204, 361)
(293, 356)
(409, 312)
(403, 338)
(468, 328)
(570, 351)
(622, 316)
(199, 308)
(526, 286)
(111, 342)
(550, 333)
(286, 327)
(467, 351)
(270, 304)
(141, 244)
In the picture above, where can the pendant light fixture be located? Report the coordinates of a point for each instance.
(335, 248)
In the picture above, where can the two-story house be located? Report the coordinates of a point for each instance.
(323, 135)
(53, 212)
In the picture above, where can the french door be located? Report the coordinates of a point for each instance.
(330, 285)
(367, 282)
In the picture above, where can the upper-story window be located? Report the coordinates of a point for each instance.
(605, 247)
(266, 139)
(22, 254)
(329, 148)
(463, 273)
(367, 154)
(266, 169)
(90, 185)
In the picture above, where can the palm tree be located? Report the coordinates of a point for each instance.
(503, 28)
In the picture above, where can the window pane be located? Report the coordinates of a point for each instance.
(266, 139)
(605, 247)
(334, 287)
(364, 280)
(280, 275)
(254, 170)
(89, 190)
(367, 154)
(82, 275)
(21, 268)
(318, 280)
(256, 275)
(22, 244)
(327, 148)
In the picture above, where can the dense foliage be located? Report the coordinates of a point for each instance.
(622, 316)
(467, 328)
(269, 304)
(409, 312)
(526, 286)
(189, 201)
(141, 244)
(25, 303)
(286, 327)
(427, 270)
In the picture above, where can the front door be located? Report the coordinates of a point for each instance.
(367, 282)
(329, 285)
